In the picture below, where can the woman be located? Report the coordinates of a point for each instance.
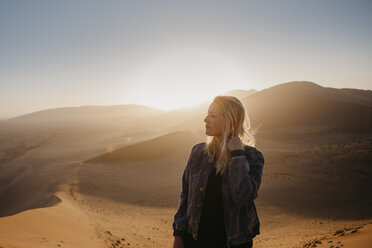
(220, 182)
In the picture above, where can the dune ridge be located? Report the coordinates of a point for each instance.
(169, 145)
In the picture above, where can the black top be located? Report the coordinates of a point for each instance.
(212, 225)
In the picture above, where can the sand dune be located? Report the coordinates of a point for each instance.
(316, 178)
(324, 180)
(321, 108)
(85, 221)
(307, 104)
(87, 113)
(172, 145)
(63, 225)
(241, 94)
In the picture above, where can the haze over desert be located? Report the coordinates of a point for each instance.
(111, 176)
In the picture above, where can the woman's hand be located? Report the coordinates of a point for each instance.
(235, 144)
(178, 242)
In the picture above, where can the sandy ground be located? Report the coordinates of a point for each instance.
(63, 225)
(84, 221)
(81, 221)
(310, 195)
(357, 236)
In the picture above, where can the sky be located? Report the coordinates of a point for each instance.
(170, 54)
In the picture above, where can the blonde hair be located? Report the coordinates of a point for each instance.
(236, 123)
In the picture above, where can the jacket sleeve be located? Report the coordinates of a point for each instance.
(180, 222)
(244, 176)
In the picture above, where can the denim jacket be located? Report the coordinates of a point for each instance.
(240, 184)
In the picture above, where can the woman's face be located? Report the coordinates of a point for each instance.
(213, 121)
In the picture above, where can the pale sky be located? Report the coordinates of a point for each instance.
(168, 54)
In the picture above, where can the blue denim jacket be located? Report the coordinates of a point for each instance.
(240, 184)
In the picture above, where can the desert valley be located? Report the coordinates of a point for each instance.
(110, 176)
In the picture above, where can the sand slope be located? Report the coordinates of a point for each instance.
(316, 178)
(63, 225)
(172, 145)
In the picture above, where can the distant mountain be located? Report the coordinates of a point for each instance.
(282, 108)
(87, 113)
(177, 144)
(354, 95)
(306, 104)
(190, 118)
(240, 94)
(185, 118)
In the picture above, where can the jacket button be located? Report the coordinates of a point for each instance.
(198, 205)
(196, 221)
(201, 189)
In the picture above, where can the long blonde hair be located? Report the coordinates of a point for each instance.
(236, 123)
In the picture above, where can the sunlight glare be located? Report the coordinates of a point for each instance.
(186, 78)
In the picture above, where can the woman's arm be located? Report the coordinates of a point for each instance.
(244, 176)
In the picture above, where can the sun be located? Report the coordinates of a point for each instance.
(185, 78)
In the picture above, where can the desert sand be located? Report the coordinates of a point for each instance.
(83, 221)
(85, 182)
(131, 204)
